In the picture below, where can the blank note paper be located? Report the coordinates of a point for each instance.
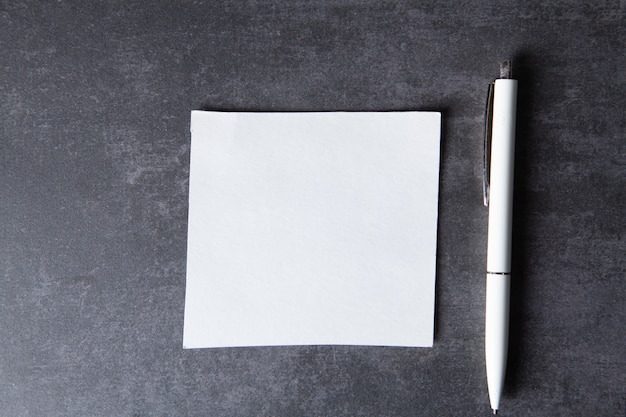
(312, 229)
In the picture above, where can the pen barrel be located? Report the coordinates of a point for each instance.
(501, 176)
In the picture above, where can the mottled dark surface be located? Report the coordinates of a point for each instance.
(94, 150)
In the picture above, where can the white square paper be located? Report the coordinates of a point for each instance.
(312, 228)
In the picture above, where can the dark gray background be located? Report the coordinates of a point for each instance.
(94, 148)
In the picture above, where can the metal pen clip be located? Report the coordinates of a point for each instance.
(506, 71)
(487, 144)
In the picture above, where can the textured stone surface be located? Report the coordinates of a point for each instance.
(94, 152)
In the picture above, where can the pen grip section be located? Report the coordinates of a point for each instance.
(497, 333)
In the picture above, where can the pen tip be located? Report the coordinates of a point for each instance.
(494, 411)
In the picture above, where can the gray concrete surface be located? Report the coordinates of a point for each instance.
(94, 150)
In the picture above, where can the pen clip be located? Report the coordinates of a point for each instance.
(487, 144)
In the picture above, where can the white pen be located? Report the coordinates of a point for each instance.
(498, 194)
